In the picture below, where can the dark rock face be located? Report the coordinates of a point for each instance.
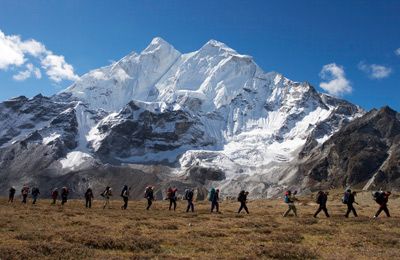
(21, 114)
(366, 151)
(136, 130)
(202, 174)
(337, 120)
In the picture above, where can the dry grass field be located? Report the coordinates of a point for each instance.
(73, 232)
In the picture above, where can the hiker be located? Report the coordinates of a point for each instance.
(171, 196)
(382, 199)
(214, 198)
(189, 194)
(149, 195)
(125, 196)
(11, 194)
(290, 200)
(242, 198)
(54, 196)
(35, 194)
(107, 193)
(64, 195)
(322, 198)
(24, 193)
(349, 199)
(89, 197)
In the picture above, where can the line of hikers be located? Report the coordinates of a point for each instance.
(381, 197)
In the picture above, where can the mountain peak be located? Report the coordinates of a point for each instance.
(217, 45)
(387, 110)
(158, 43)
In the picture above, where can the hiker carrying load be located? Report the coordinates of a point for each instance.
(125, 196)
(382, 199)
(106, 194)
(11, 194)
(349, 199)
(149, 195)
(242, 198)
(213, 197)
(322, 198)
(88, 198)
(64, 195)
(35, 194)
(290, 200)
(171, 196)
(54, 196)
(189, 194)
(24, 193)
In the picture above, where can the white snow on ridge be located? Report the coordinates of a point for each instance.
(50, 138)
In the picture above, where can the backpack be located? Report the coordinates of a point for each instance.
(187, 191)
(146, 192)
(169, 193)
(123, 192)
(345, 198)
(318, 199)
(379, 197)
(211, 194)
(240, 197)
(286, 199)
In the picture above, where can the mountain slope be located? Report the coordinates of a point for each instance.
(212, 113)
(365, 153)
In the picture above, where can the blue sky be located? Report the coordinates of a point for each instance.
(346, 47)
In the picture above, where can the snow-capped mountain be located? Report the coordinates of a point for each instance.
(212, 113)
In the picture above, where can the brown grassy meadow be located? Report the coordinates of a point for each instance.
(73, 232)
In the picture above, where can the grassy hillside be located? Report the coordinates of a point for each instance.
(45, 231)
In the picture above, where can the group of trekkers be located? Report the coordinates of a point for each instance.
(381, 197)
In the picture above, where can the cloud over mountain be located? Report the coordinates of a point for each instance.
(16, 52)
(336, 82)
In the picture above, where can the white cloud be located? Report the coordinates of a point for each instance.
(375, 71)
(336, 82)
(29, 72)
(397, 52)
(57, 69)
(33, 47)
(10, 53)
(15, 52)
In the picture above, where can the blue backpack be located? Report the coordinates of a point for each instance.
(211, 194)
(287, 200)
(345, 198)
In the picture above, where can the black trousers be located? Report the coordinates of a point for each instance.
(125, 203)
(63, 201)
(214, 205)
(54, 201)
(172, 202)
(322, 208)
(24, 198)
(383, 208)
(88, 203)
(190, 206)
(34, 200)
(11, 198)
(243, 206)
(350, 208)
(149, 202)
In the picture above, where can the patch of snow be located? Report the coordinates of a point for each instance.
(75, 159)
(50, 138)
